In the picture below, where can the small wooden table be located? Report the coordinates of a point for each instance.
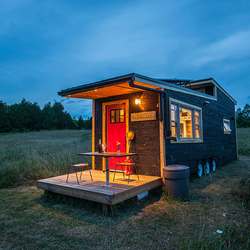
(108, 155)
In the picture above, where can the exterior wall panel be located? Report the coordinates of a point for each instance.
(215, 142)
(146, 142)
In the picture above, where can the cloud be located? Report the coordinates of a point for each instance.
(47, 46)
(234, 47)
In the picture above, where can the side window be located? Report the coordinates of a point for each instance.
(226, 125)
(186, 121)
(174, 120)
(197, 124)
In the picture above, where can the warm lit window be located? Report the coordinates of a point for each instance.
(116, 115)
(227, 128)
(185, 121)
(197, 124)
(174, 120)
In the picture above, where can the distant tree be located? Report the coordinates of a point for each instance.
(75, 122)
(80, 122)
(33, 113)
(49, 117)
(239, 118)
(5, 125)
(19, 116)
(27, 116)
(246, 111)
(88, 123)
(243, 117)
(70, 124)
(61, 116)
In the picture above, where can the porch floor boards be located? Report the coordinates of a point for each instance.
(95, 190)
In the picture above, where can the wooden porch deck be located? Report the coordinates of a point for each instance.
(96, 191)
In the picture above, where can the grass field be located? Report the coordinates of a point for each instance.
(37, 155)
(215, 217)
(243, 136)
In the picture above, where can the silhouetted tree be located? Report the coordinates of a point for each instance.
(75, 122)
(61, 116)
(49, 117)
(88, 123)
(243, 117)
(80, 122)
(5, 125)
(26, 116)
(69, 122)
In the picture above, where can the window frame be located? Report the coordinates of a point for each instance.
(227, 122)
(194, 109)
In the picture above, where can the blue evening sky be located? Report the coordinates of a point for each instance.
(50, 45)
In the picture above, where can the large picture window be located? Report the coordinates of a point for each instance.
(186, 121)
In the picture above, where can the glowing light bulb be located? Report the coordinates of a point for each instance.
(137, 101)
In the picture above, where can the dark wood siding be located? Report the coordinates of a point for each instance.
(215, 142)
(147, 141)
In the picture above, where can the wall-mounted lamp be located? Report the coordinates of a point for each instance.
(137, 101)
(206, 102)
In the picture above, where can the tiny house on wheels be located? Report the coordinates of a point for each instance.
(173, 121)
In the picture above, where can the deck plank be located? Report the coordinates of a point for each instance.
(96, 190)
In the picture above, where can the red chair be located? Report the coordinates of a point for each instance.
(128, 168)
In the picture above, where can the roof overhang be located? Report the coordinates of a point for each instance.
(132, 83)
(107, 88)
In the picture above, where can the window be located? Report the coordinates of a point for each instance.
(116, 115)
(197, 124)
(174, 120)
(226, 125)
(185, 121)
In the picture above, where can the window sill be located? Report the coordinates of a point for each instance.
(187, 141)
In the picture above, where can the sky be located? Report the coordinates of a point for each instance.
(50, 45)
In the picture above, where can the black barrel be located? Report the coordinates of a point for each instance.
(177, 181)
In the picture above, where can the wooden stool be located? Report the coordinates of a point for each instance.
(75, 166)
(128, 164)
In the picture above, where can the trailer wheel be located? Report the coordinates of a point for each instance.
(213, 164)
(200, 168)
(207, 166)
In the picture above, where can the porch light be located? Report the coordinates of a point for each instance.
(137, 101)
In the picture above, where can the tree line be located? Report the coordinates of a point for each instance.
(27, 116)
(243, 117)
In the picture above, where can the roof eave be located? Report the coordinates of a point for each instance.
(95, 85)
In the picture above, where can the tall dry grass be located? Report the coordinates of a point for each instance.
(36, 155)
(243, 137)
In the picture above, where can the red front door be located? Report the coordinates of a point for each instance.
(116, 132)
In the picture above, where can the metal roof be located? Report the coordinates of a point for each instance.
(152, 82)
